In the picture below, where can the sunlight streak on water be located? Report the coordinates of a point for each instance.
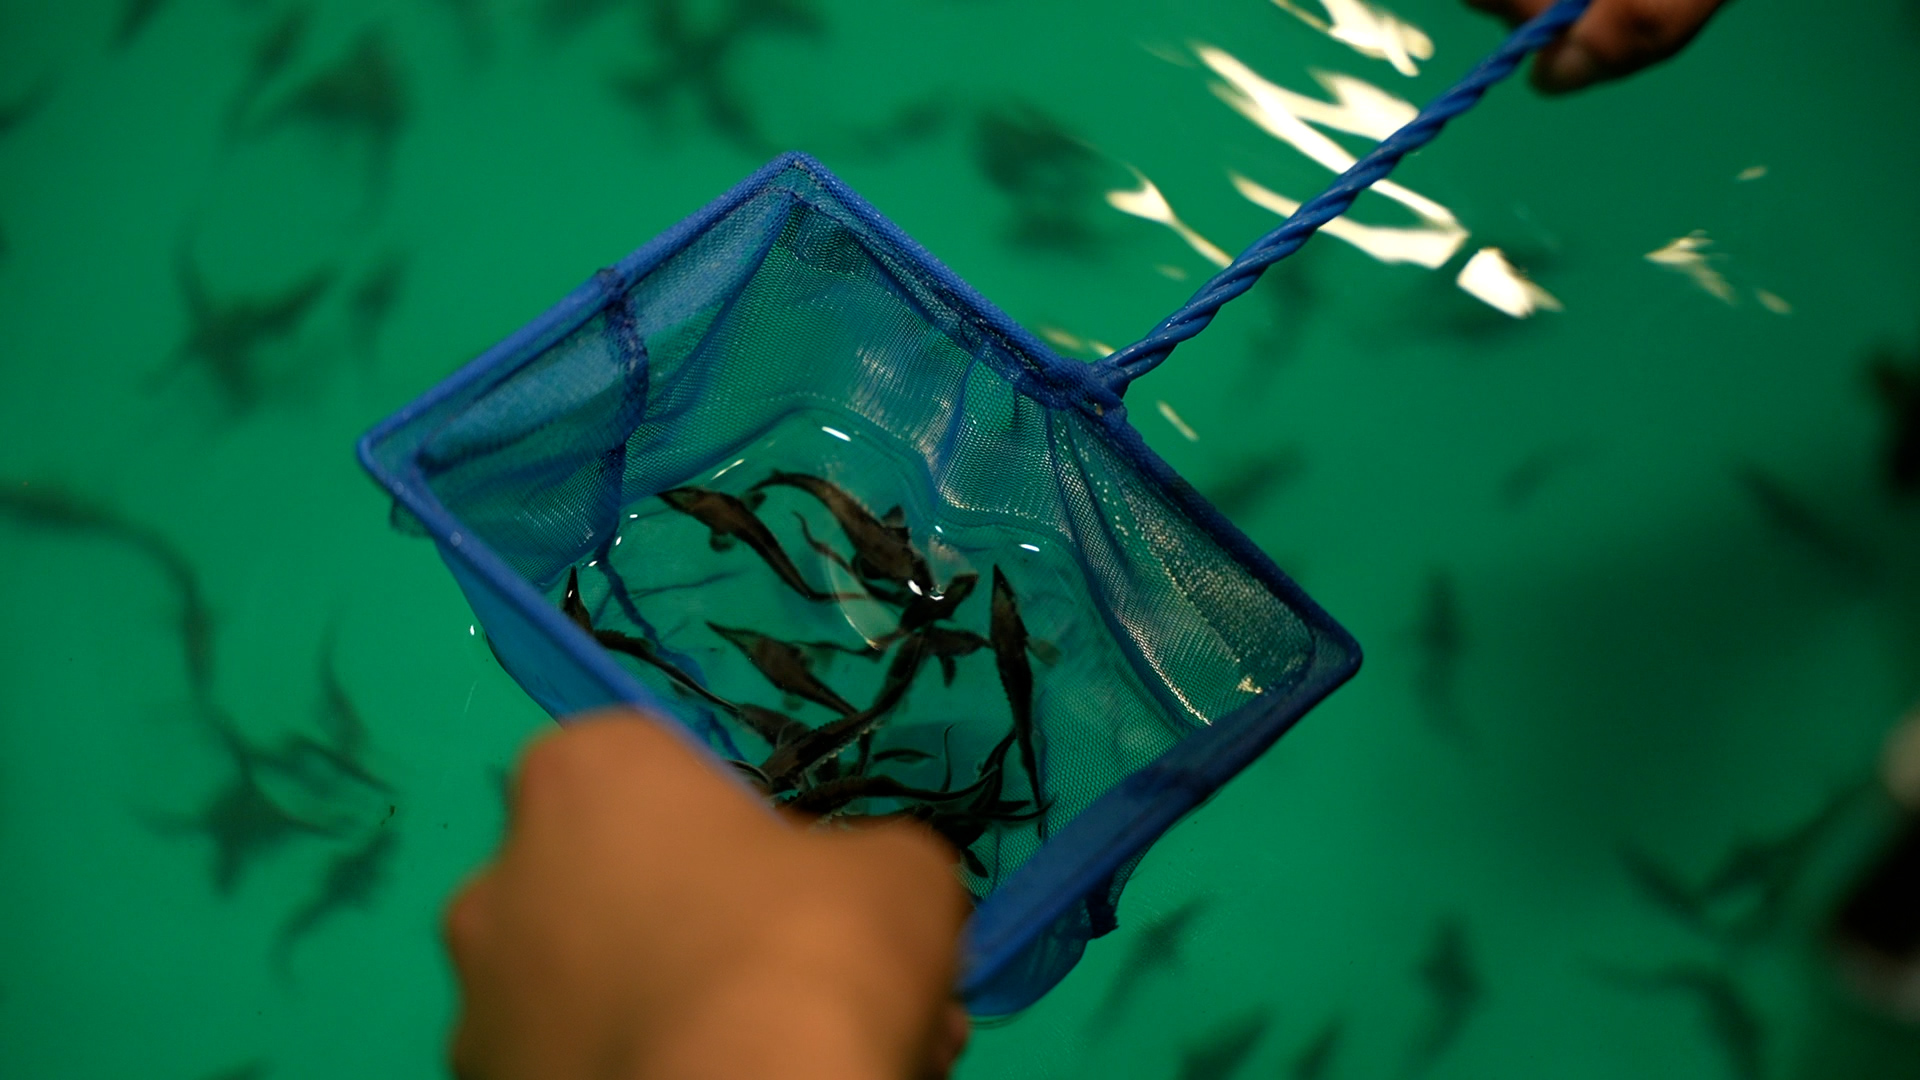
(1687, 255)
(1491, 278)
(1429, 246)
(1147, 202)
(1370, 31)
(1067, 339)
(1179, 425)
(1272, 108)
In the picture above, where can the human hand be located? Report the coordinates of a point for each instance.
(1613, 38)
(648, 919)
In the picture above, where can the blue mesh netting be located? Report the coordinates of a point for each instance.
(782, 475)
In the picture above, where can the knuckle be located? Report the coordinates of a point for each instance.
(1642, 31)
(544, 768)
(463, 921)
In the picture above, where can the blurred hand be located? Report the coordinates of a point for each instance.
(647, 918)
(1614, 37)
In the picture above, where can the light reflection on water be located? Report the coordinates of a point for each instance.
(1147, 202)
(1688, 255)
(1371, 31)
(1490, 277)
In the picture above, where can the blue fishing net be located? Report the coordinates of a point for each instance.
(783, 476)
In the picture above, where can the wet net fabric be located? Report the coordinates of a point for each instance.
(783, 476)
(791, 335)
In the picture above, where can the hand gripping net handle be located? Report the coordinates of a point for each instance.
(1121, 368)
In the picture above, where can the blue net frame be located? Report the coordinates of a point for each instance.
(520, 464)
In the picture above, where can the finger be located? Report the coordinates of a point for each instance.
(464, 923)
(1513, 12)
(1619, 37)
(950, 1040)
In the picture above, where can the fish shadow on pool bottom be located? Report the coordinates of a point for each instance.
(689, 59)
(1630, 650)
(57, 510)
(360, 99)
(1156, 949)
(1220, 1053)
(1054, 182)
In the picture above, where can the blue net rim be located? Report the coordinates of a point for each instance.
(1118, 825)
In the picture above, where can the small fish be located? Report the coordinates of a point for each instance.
(1454, 985)
(571, 605)
(363, 93)
(1747, 892)
(729, 519)
(1792, 516)
(1729, 1017)
(351, 881)
(1441, 638)
(881, 546)
(17, 112)
(1223, 1051)
(1251, 482)
(776, 728)
(754, 774)
(835, 795)
(1050, 176)
(693, 57)
(48, 507)
(317, 770)
(1008, 633)
(964, 827)
(226, 337)
(914, 122)
(947, 645)
(929, 607)
(243, 823)
(1314, 1060)
(642, 650)
(795, 759)
(785, 666)
(822, 651)
(1535, 472)
(271, 54)
(134, 17)
(1664, 888)
(1155, 949)
(372, 300)
(339, 717)
(1899, 390)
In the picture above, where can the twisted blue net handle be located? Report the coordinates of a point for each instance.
(1121, 368)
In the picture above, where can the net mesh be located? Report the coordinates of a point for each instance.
(708, 463)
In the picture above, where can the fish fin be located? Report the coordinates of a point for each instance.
(572, 605)
(948, 669)
(721, 542)
(1044, 651)
(895, 518)
(754, 498)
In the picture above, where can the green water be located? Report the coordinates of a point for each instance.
(1584, 630)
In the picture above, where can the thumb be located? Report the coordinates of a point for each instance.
(1619, 37)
